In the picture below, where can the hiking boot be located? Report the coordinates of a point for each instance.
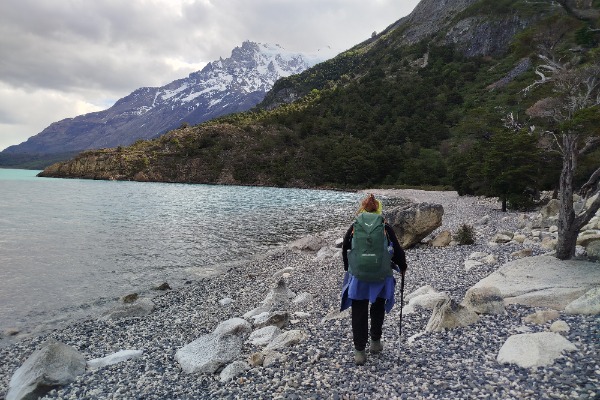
(375, 346)
(360, 356)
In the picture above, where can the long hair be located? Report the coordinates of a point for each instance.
(370, 204)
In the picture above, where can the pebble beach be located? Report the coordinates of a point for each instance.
(455, 364)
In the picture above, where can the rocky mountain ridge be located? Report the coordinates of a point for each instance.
(222, 87)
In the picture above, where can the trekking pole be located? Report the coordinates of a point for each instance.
(400, 323)
(401, 301)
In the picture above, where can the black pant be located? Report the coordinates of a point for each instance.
(360, 321)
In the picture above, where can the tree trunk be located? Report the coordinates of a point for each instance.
(504, 204)
(567, 230)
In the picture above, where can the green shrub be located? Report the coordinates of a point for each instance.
(465, 235)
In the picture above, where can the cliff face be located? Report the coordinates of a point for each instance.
(470, 25)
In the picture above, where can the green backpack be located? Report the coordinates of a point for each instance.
(369, 259)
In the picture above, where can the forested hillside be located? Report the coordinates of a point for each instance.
(450, 109)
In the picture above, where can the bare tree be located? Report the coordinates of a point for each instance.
(572, 115)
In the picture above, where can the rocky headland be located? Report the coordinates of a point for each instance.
(500, 318)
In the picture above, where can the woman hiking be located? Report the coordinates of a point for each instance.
(370, 252)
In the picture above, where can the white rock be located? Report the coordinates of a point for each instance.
(589, 303)
(560, 326)
(420, 291)
(491, 259)
(232, 370)
(477, 255)
(286, 339)
(115, 358)
(233, 326)
(427, 301)
(208, 353)
(55, 364)
(264, 336)
(301, 314)
(303, 298)
(279, 273)
(226, 301)
(470, 264)
(533, 349)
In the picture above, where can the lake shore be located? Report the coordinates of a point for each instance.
(441, 365)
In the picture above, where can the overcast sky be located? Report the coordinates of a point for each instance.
(63, 58)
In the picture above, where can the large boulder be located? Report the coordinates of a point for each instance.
(413, 223)
(53, 365)
(529, 350)
(543, 281)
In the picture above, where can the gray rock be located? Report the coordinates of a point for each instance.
(502, 237)
(276, 318)
(560, 326)
(541, 317)
(271, 357)
(425, 297)
(115, 358)
(592, 249)
(233, 326)
(208, 353)
(529, 350)
(333, 315)
(541, 281)
(232, 370)
(522, 253)
(470, 264)
(551, 209)
(589, 303)
(443, 239)
(279, 296)
(54, 364)
(303, 298)
(286, 339)
(484, 300)
(448, 314)
(414, 223)
(264, 336)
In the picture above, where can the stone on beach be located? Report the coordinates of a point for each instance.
(543, 281)
(484, 300)
(414, 223)
(54, 364)
(210, 352)
(425, 297)
(534, 349)
(448, 314)
(115, 358)
(589, 303)
(232, 370)
(264, 336)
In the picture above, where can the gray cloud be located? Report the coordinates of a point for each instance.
(82, 52)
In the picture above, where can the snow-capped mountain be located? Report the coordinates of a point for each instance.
(222, 87)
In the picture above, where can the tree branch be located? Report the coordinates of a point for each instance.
(590, 145)
(589, 185)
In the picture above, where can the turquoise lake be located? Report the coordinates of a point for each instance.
(69, 246)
